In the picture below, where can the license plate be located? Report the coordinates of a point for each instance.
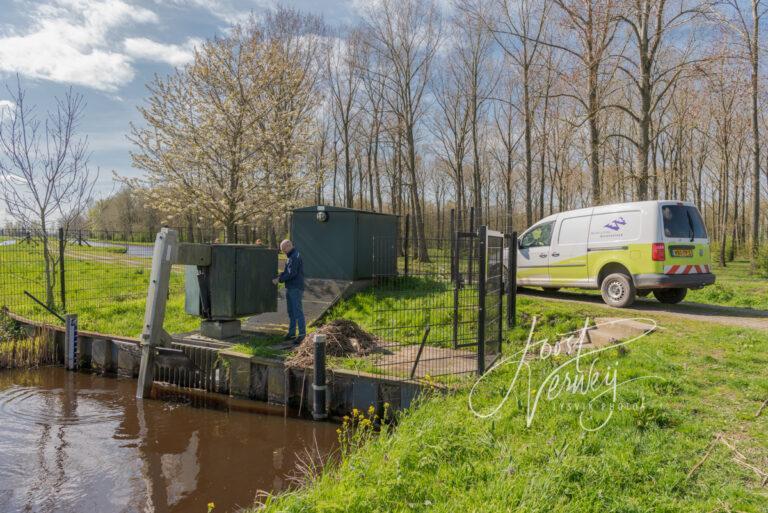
(682, 252)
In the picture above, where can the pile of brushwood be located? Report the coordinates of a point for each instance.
(343, 338)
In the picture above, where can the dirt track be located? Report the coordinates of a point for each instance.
(727, 315)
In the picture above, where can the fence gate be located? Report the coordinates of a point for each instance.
(438, 304)
(490, 297)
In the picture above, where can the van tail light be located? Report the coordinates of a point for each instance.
(658, 252)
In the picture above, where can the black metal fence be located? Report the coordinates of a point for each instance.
(441, 313)
(100, 275)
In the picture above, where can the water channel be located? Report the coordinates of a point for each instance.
(77, 442)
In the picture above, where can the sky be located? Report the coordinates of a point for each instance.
(107, 50)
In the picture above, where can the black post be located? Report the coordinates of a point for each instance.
(452, 245)
(318, 386)
(405, 241)
(455, 278)
(61, 270)
(471, 244)
(512, 281)
(481, 246)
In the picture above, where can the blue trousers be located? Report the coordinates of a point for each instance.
(295, 312)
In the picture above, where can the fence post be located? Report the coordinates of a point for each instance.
(471, 244)
(63, 288)
(482, 249)
(405, 241)
(512, 281)
(452, 244)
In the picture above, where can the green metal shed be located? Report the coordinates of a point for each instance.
(338, 243)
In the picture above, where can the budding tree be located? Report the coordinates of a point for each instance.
(224, 133)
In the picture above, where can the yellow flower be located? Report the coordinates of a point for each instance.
(354, 412)
(371, 409)
(211, 507)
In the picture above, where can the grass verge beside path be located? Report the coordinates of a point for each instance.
(735, 286)
(650, 456)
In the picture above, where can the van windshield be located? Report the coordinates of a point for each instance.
(683, 221)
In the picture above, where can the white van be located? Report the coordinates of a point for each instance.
(625, 250)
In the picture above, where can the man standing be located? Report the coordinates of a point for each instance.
(293, 278)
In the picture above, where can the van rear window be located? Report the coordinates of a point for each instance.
(683, 221)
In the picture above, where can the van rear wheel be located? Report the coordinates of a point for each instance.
(618, 290)
(670, 296)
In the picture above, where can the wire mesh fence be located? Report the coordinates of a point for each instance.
(439, 312)
(436, 306)
(100, 275)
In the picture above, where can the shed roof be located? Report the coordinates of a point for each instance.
(328, 208)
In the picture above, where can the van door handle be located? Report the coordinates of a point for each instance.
(542, 255)
(555, 254)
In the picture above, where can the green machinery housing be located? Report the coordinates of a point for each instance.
(236, 283)
(338, 243)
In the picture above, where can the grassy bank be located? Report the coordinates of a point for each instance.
(661, 452)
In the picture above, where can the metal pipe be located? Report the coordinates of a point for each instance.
(318, 386)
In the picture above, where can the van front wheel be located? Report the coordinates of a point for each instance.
(670, 296)
(618, 290)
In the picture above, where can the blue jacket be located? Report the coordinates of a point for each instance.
(293, 274)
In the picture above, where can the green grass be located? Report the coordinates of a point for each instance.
(440, 457)
(107, 290)
(735, 286)
(261, 346)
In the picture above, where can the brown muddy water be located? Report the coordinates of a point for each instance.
(75, 442)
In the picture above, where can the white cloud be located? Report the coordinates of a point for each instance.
(147, 49)
(69, 41)
(230, 11)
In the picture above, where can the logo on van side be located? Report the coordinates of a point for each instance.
(616, 224)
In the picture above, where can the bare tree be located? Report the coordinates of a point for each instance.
(344, 81)
(746, 24)
(44, 175)
(405, 34)
(662, 56)
(450, 125)
(518, 27)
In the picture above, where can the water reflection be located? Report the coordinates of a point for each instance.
(79, 442)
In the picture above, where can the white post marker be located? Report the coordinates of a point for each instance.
(70, 341)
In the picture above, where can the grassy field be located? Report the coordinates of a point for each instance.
(735, 286)
(106, 288)
(665, 449)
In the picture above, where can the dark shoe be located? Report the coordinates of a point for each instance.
(298, 340)
(289, 337)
